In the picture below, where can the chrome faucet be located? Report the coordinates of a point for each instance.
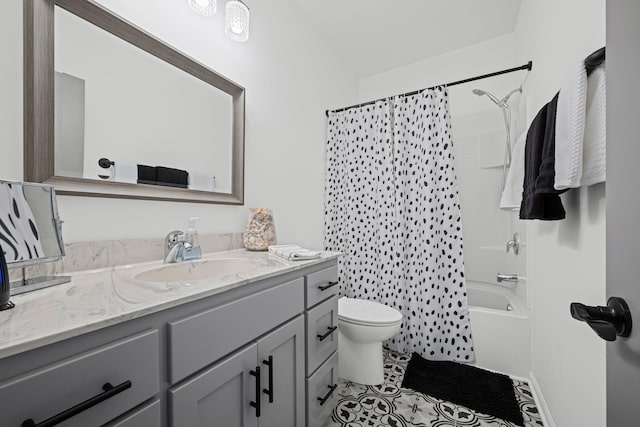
(507, 278)
(179, 246)
(514, 244)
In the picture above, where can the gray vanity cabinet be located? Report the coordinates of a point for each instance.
(130, 365)
(261, 385)
(219, 396)
(321, 319)
(149, 415)
(281, 354)
(214, 361)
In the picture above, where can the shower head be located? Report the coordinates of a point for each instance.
(481, 92)
(499, 102)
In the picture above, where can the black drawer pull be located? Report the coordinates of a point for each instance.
(109, 391)
(269, 391)
(256, 404)
(326, 334)
(330, 285)
(324, 399)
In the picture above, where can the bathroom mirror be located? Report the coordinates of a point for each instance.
(97, 87)
(29, 224)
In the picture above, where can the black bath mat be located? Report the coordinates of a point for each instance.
(477, 389)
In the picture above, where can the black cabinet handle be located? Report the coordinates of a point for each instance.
(326, 334)
(109, 391)
(330, 285)
(324, 399)
(269, 391)
(256, 404)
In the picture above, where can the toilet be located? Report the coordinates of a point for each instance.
(362, 326)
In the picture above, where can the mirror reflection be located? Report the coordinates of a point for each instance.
(29, 224)
(150, 122)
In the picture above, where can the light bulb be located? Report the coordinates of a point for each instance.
(204, 7)
(237, 21)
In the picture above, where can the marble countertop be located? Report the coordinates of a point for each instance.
(100, 298)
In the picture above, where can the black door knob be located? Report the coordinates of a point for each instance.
(609, 322)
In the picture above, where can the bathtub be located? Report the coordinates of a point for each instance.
(500, 329)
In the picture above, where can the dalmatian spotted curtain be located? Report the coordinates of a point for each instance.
(391, 206)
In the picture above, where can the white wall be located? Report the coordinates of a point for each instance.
(290, 76)
(486, 57)
(566, 258)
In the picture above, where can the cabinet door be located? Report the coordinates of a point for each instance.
(219, 396)
(281, 355)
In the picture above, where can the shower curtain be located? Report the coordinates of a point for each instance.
(391, 207)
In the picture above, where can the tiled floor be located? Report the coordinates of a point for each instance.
(391, 405)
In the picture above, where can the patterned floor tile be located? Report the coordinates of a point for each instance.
(390, 405)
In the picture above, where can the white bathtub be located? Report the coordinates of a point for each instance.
(499, 329)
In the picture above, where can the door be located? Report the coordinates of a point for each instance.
(281, 355)
(219, 396)
(623, 204)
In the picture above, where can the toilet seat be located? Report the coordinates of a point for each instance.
(367, 313)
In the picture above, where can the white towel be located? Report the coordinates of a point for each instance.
(581, 130)
(125, 172)
(202, 182)
(512, 192)
(293, 252)
(570, 122)
(595, 133)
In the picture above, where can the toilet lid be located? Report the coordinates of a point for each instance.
(367, 312)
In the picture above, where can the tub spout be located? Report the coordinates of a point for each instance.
(507, 278)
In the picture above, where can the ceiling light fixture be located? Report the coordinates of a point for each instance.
(236, 21)
(204, 7)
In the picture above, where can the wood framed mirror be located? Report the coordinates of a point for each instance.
(48, 25)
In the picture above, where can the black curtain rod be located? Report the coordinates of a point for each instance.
(528, 66)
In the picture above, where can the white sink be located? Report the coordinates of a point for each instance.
(196, 270)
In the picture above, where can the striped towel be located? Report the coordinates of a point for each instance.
(293, 252)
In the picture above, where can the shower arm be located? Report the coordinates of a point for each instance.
(506, 114)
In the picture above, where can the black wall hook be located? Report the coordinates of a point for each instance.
(594, 60)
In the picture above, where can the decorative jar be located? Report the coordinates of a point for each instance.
(260, 232)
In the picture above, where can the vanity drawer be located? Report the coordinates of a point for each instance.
(199, 340)
(322, 392)
(321, 285)
(51, 390)
(322, 333)
(147, 416)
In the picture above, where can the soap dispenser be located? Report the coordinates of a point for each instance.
(193, 250)
(5, 285)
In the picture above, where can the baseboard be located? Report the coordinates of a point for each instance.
(540, 402)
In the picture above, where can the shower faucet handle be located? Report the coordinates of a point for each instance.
(514, 243)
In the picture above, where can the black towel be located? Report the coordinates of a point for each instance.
(172, 177)
(539, 199)
(147, 175)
